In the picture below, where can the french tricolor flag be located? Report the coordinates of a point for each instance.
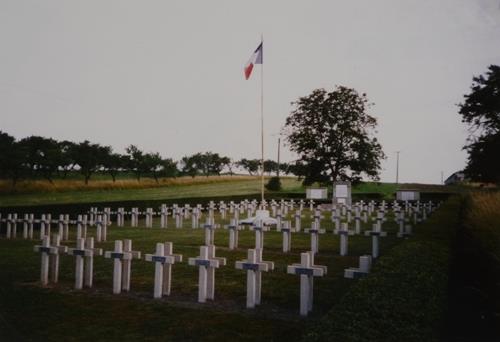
(256, 58)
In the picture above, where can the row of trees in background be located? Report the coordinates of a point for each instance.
(37, 157)
(331, 132)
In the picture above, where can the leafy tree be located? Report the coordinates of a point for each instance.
(250, 165)
(113, 163)
(151, 163)
(270, 166)
(189, 165)
(331, 133)
(67, 161)
(168, 168)
(12, 159)
(481, 111)
(214, 163)
(227, 162)
(90, 157)
(43, 156)
(285, 168)
(136, 160)
(205, 163)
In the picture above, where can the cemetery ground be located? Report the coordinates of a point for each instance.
(97, 314)
(410, 295)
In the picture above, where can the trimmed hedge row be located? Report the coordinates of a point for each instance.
(405, 296)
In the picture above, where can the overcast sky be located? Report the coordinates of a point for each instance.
(167, 76)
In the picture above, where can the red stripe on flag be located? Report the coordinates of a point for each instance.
(248, 71)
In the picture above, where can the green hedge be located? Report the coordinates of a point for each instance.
(405, 296)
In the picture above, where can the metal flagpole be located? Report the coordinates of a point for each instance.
(262, 118)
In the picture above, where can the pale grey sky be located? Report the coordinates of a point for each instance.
(167, 76)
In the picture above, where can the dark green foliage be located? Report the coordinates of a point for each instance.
(481, 111)
(274, 184)
(405, 296)
(42, 156)
(332, 134)
(207, 164)
(270, 166)
(90, 157)
(250, 165)
(12, 159)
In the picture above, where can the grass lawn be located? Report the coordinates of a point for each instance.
(30, 312)
(183, 188)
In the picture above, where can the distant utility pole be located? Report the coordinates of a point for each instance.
(397, 167)
(442, 182)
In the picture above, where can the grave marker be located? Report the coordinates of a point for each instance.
(254, 269)
(307, 272)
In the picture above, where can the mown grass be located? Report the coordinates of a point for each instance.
(70, 191)
(30, 312)
(405, 297)
(188, 188)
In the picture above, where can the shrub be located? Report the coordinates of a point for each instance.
(274, 184)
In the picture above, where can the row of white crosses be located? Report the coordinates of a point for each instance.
(45, 226)
(164, 259)
(84, 253)
(418, 211)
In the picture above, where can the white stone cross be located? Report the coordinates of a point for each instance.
(118, 255)
(195, 218)
(259, 234)
(66, 227)
(209, 227)
(178, 218)
(163, 216)
(167, 267)
(357, 219)
(375, 233)
(307, 272)
(25, 221)
(365, 263)
(344, 233)
(160, 260)
(279, 218)
(233, 234)
(120, 217)
(134, 217)
(254, 269)
(45, 249)
(204, 264)
(79, 253)
(286, 230)
(89, 260)
(11, 226)
(314, 231)
(54, 257)
(127, 263)
(298, 220)
(211, 272)
(258, 275)
(99, 228)
(79, 223)
(149, 218)
(60, 226)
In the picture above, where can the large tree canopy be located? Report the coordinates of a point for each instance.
(481, 111)
(331, 133)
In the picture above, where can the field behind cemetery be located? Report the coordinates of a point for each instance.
(71, 191)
